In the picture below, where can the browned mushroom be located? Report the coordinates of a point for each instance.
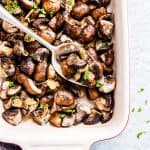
(5, 49)
(12, 116)
(40, 22)
(32, 46)
(79, 10)
(55, 119)
(28, 84)
(92, 93)
(48, 35)
(51, 5)
(41, 54)
(99, 2)
(27, 66)
(49, 99)
(64, 98)
(68, 120)
(14, 90)
(41, 116)
(40, 72)
(87, 34)
(9, 28)
(3, 90)
(19, 48)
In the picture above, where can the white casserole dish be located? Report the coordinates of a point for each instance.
(33, 135)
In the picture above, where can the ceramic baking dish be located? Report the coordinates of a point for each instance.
(32, 135)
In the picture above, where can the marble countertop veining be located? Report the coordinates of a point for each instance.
(139, 39)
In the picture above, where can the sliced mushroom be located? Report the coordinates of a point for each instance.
(12, 116)
(80, 116)
(99, 2)
(92, 93)
(40, 22)
(55, 119)
(40, 72)
(51, 5)
(87, 34)
(53, 85)
(9, 28)
(48, 35)
(4, 89)
(28, 4)
(64, 98)
(7, 104)
(32, 47)
(14, 90)
(41, 54)
(108, 85)
(79, 10)
(99, 12)
(106, 116)
(93, 118)
(27, 66)
(8, 67)
(74, 60)
(51, 74)
(68, 120)
(104, 103)
(41, 116)
(19, 49)
(28, 84)
(5, 49)
(108, 57)
(49, 99)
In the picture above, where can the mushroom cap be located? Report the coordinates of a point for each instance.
(9, 28)
(14, 90)
(55, 119)
(12, 116)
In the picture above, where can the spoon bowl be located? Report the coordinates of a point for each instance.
(54, 49)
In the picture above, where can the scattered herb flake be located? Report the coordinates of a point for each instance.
(14, 97)
(30, 38)
(43, 11)
(70, 111)
(140, 134)
(86, 74)
(139, 109)
(133, 109)
(11, 84)
(82, 53)
(141, 90)
(11, 6)
(42, 106)
(51, 14)
(70, 2)
(35, 6)
(104, 44)
(62, 115)
(99, 84)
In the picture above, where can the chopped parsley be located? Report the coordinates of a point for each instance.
(30, 38)
(139, 135)
(86, 74)
(42, 106)
(70, 111)
(99, 84)
(139, 109)
(43, 11)
(70, 2)
(51, 14)
(11, 84)
(147, 121)
(82, 53)
(141, 90)
(11, 6)
(62, 115)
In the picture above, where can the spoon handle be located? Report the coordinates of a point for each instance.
(12, 20)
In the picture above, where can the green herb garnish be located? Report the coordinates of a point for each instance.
(51, 14)
(147, 121)
(70, 111)
(11, 6)
(43, 11)
(99, 84)
(35, 6)
(14, 97)
(86, 74)
(62, 115)
(70, 2)
(30, 38)
(139, 109)
(104, 44)
(141, 90)
(82, 52)
(11, 84)
(42, 106)
(140, 134)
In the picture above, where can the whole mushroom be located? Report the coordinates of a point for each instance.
(9, 28)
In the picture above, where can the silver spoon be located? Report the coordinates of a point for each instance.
(54, 49)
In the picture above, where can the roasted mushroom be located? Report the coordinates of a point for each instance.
(68, 120)
(14, 90)
(4, 89)
(99, 2)
(51, 74)
(40, 23)
(55, 119)
(12, 116)
(64, 98)
(9, 28)
(92, 93)
(27, 66)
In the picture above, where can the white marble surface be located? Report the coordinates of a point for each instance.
(139, 44)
